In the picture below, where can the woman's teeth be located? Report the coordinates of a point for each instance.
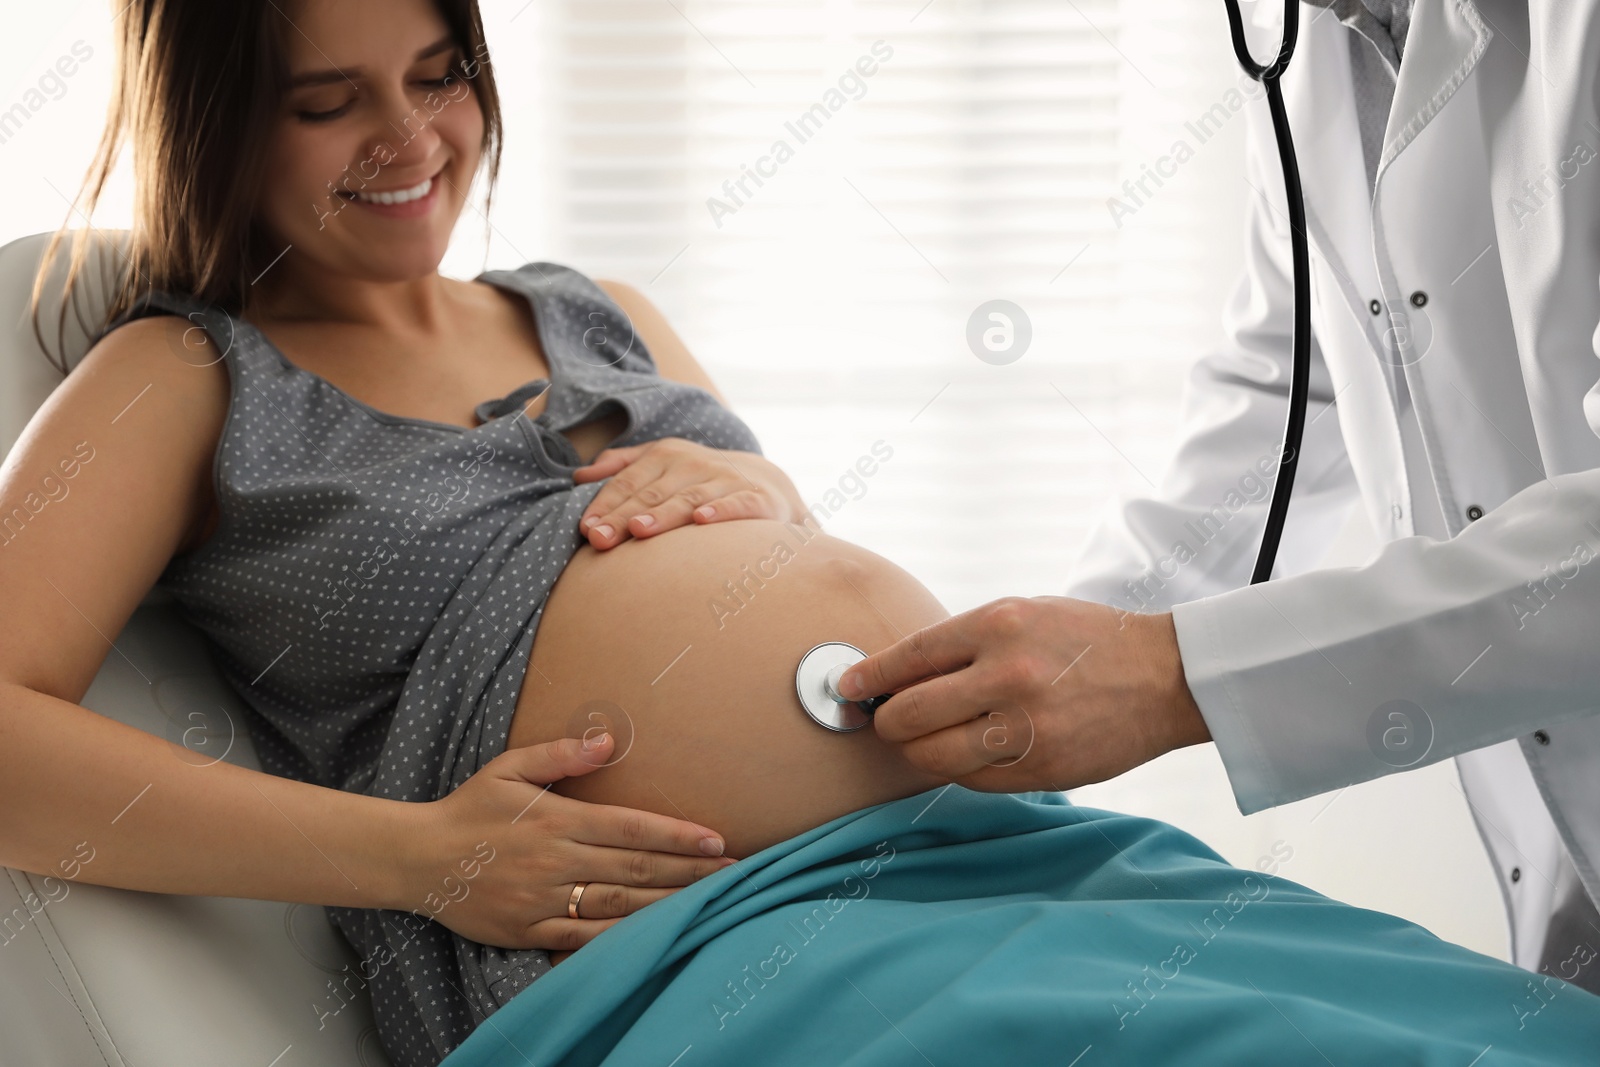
(416, 192)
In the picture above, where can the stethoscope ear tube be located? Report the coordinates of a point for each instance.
(1300, 370)
(1241, 47)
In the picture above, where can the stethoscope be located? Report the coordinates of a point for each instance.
(817, 678)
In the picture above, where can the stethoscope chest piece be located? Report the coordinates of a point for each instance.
(816, 681)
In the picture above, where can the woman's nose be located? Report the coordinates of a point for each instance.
(406, 136)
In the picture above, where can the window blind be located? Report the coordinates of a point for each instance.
(819, 194)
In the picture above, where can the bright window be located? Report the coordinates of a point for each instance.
(831, 301)
(820, 193)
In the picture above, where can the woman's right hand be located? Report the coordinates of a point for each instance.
(496, 859)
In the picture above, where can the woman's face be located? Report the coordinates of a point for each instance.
(368, 111)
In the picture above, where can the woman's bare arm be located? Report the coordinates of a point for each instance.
(89, 799)
(104, 485)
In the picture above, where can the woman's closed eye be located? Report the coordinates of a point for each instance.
(325, 116)
(330, 115)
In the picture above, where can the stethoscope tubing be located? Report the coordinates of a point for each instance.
(1300, 368)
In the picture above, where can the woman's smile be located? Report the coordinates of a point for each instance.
(407, 203)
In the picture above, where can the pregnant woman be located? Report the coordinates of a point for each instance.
(365, 482)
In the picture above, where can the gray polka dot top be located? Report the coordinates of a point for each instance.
(375, 582)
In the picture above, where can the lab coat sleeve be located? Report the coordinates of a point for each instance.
(1320, 680)
(1198, 534)
(1433, 648)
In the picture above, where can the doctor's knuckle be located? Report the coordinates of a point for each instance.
(632, 830)
(954, 754)
(911, 714)
(651, 495)
(929, 754)
(1007, 617)
(1014, 674)
(920, 644)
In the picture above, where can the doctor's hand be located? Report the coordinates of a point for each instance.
(1033, 693)
(673, 481)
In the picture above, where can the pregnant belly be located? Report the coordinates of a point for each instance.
(684, 646)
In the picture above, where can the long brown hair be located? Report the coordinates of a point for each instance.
(198, 85)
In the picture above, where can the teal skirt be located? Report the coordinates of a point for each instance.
(957, 927)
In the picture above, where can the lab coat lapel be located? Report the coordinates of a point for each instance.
(1443, 45)
(1322, 115)
(1434, 237)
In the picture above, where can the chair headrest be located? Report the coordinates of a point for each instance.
(27, 374)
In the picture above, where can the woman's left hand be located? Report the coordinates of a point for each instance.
(669, 482)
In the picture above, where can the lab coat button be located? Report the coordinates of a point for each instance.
(1474, 512)
(1516, 874)
(1375, 307)
(1541, 737)
(1418, 298)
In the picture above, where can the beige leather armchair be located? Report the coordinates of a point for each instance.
(97, 977)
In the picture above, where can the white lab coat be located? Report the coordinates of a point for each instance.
(1487, 202)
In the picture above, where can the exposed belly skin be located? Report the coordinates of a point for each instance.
(701, 700)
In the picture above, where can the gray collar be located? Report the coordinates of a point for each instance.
(1382, 22)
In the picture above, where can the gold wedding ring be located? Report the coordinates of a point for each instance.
(572, 901)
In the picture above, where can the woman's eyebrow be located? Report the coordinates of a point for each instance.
(323, 77)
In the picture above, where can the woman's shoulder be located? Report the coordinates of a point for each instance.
(157, 302)
(155, 365)
(177, 326)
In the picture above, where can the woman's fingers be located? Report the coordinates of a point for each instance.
(647, 831)
(665, 502)
(677, 496)
(638, 868)
(606, 900)
(658, 487)
(672, 482)
(683, 501)
(680, 496)
(566, 935)
(629, 470)
(608, 462)
(743, 504)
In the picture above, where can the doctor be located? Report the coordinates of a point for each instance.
(1453, 212)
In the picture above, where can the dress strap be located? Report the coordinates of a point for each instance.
(579, 324)
(152, 301)
(225, 330)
